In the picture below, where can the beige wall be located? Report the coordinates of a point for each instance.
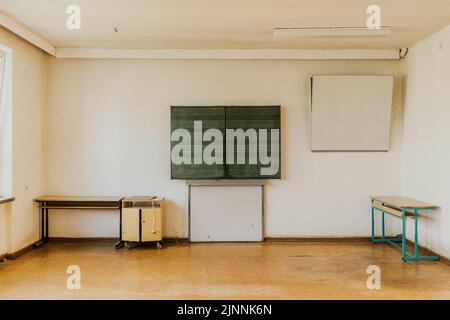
(29, 96)
(426, 138)
(5, 228)
(109, 127)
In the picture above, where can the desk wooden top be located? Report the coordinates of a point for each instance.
(78, 199)
(140, 198)
(404, 203)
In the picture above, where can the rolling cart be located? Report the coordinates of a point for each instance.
(142, 221)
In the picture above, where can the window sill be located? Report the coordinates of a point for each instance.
(6, 200)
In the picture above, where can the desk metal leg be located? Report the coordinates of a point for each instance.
(42, 224)
(46, 226)
(120, 243)
(42, 228)
(383, 228)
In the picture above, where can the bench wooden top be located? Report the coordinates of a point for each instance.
(77, 199)
(404, 203)
(390, 210)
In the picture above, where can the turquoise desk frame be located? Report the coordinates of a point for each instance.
(406, 208)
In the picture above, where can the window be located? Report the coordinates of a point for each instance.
(6, 56)
(2, 76)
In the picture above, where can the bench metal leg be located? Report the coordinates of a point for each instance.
(422, 258)
(403, 235)
(373, 224)
(415, 256)
(416, 234)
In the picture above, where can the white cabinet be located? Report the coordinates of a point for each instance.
(142, 219)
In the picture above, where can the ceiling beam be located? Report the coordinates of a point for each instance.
(26, 34)
(196, 54)
(227, 54)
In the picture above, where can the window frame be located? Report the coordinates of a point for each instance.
(2, 75)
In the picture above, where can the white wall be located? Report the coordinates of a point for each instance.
(426, 140)
(109, 127)
(29, 93)
(5, 147)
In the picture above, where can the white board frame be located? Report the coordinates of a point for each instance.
(369, 146)
(226, 184)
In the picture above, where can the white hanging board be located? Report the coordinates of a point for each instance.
(351, 113)
(226, 213)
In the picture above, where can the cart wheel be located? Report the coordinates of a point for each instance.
(159, 245)
(131, 244)
(119, 245)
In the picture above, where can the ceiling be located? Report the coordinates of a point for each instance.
(237, 24)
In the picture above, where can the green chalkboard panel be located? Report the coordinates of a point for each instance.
(185, 118)
(252, 120)
(225, 142)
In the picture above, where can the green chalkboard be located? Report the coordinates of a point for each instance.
(225, 142)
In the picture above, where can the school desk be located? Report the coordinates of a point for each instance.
(45, 203)
(401, 208)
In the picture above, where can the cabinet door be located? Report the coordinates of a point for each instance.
(151, 224)
(130, 224)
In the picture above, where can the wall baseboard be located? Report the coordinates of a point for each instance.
(103, 240)
(317, 239)
(83, 240)
(179, 240)
(17, 254)
(266, 239)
